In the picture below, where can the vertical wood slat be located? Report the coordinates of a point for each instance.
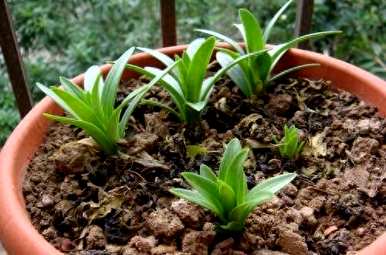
(303, 26)
(168, 22)
(14, 61)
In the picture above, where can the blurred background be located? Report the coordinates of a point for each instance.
(64, 37)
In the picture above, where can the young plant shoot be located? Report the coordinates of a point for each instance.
(254, 75)
(226, 194)
(92, 108)
(187, 84)
(290, 146)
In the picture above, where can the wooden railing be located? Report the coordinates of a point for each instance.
(14, 62)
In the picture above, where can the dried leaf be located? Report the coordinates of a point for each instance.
(316, 146)
(254, 144)
(109, 201)
(147, 161)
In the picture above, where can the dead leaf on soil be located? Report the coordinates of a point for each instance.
(107, 202)
(316, 146)
(254, 144)
(146, 160)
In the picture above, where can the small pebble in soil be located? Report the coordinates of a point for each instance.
(292, 243)
(197, 242)
(95, 238)
(362, 148)
(143, 244)
(164, 223)
(66, 245)
(164, 249)
(223, 247)
(186, 211)
(47, 200)
(308, 215)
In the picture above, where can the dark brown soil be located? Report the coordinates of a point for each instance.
(86, 203)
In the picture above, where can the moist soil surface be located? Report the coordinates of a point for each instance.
(84, 202)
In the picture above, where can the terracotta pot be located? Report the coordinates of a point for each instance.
(16, 231)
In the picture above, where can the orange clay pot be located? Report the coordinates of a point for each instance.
(16, 231)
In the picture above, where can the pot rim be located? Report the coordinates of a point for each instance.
(17, 232)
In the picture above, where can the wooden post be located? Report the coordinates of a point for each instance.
(13, 61)
(303, 26)
(168, 22)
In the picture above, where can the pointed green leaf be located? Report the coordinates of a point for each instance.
(271, 185)
(292, 69)
(235, 175)
(80, 108)
(163, 58)
(204, 186)
(193, 47)
(113, 79)
(272, 22)
(130, 109)
(139, 94)
(197, 106)
(186, 59)
(241, 212)
(182, 75)
(95, 97)
(197, 68)
(208, 173)
(262, 67)
(278, 51)
(253, 35)
(113, 129)
(195, 197)
(241, 29)
(231, 150)
(236, 73)
(227, 196)
(167, 78)
(91, 78)
(175, 94)
(210, 81)
(90, 129)
(56, 98)
(225, 38)
(72, 88)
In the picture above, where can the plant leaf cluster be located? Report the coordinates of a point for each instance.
(226, 194)
(290, 146)
(187, 83)
(93, 108)
(253, 75)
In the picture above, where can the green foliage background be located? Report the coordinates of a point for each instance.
(64, 37)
